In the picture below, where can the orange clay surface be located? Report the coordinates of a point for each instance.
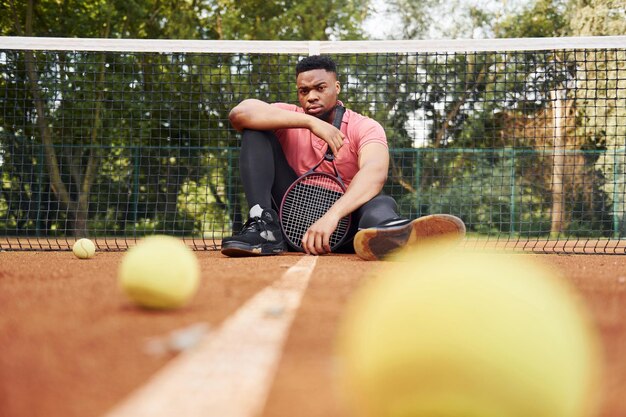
(72, 346)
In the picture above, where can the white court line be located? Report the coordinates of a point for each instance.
(229, 373)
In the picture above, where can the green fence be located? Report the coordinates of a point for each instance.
(194, 192)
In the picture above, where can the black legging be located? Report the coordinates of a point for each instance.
(266, 175)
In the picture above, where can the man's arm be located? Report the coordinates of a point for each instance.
(366, 184)
(259, 115)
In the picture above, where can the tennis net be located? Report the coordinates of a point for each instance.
(524, 139)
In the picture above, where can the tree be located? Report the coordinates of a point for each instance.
(596, 18)
(467, 106)
(603, 113)
(144, 130)
(290, 19)
(584, 128)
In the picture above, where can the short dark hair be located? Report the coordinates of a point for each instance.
(314, 62)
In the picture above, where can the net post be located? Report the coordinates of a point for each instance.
(40, 174)
(136, 168)
(418, 181)
(513, 191)
(616, 203)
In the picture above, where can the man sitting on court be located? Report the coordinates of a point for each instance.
(282, 141)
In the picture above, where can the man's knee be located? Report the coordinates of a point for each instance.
(378, 210)
(381, 202)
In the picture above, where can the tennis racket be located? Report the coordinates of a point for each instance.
(310, 197)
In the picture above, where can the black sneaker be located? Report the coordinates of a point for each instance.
(377, 242)
(261, 235)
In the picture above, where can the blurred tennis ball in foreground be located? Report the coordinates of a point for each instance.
(449, 333)
(160, 272)
(84, 248)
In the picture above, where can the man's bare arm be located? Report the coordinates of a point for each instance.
(368, 181)
(259, 115)
(366, 184)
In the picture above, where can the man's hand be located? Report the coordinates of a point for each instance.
(316, 240)
(329, 133)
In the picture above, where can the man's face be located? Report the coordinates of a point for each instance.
(317, 92)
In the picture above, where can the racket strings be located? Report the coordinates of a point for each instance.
(306, 202)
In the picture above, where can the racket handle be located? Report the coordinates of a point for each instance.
(339, 112)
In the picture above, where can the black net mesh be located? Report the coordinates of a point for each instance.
(527, 147)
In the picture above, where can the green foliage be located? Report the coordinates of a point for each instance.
(154, 127)
(596, 18)
(109, 18)
(523, 19)
(543, 18)
(593, 89)
(603, 114)
(490, 191)
(290, 19)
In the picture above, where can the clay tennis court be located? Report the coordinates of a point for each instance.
(73, 346)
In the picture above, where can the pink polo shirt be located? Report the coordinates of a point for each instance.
(303, 149)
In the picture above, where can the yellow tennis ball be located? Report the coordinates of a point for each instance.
(84, 248)
(160, 272)
(449, 333)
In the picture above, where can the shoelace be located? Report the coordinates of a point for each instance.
(254, 224)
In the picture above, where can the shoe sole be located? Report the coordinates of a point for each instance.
(376, 243)
(238, 250)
